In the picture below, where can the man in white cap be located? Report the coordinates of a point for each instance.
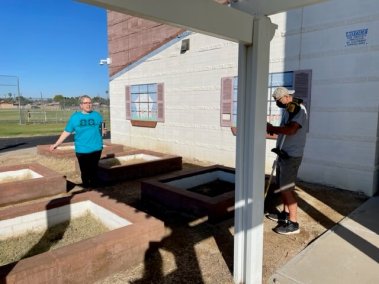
(290, 147)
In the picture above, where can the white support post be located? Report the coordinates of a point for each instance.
(250, 153)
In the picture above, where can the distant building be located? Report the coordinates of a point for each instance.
(6, 105)
(52, 106)
(175, 91)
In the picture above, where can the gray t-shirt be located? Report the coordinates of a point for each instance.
(294, 144)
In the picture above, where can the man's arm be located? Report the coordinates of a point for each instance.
(288, 129)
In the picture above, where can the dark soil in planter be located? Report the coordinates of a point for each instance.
(213, 188)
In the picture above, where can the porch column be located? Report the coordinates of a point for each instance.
(253, 67)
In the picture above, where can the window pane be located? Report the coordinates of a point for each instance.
(135, 115)
(144, 98)
(153, 115)
(234, 108)
(235, 95)
(143, 88)
(143, 107)
(153, 97)
(234, 121)
(152, 88)
(288, 79)
(135, 98)
(134, 89)
(281, 79)
(154, 107)
(134, 107)
(235, 82)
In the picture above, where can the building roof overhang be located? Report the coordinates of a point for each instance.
(204, 16)
(231, 22)
(270, 7)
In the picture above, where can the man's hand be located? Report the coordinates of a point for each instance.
(270, 128)
(52, 148)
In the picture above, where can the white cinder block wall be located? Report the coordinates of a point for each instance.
(342, 143)
(192, 84)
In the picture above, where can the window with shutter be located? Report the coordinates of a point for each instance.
(145, 104)
(300, 81)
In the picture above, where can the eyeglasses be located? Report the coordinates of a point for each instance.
(86, 103)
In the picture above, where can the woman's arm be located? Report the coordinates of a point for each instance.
(60, 140)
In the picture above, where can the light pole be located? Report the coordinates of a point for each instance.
(107, 61)
(19, 100)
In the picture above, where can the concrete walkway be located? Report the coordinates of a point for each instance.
(348, 253)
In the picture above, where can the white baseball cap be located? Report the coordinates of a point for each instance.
(281, 92)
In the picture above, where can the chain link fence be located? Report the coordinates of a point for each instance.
(25, 115)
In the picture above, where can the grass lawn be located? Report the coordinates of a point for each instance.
(14, 129)
(46, 122)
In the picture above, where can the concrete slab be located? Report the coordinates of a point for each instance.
(348, 253)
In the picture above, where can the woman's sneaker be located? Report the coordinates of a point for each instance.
(278, 216)
(287, 228)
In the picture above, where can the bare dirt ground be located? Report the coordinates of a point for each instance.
(195, 251)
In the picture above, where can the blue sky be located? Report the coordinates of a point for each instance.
(53, 47)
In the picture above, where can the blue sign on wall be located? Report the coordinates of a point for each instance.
(356, 37)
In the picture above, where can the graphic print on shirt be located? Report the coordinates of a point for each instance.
(87, 122)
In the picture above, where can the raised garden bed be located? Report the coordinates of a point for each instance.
(136, 164)
(87, 260)
(67, 150)
(21, 183)
(207, 191)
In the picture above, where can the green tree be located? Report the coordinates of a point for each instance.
(58, 98)
(100, 100)
(24, 101)
(10, 99)
(61, 100)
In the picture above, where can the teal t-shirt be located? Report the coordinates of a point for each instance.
(87, 128)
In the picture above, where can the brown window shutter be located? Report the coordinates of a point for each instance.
(160, 102)
(226, 101)
(128, 103)
(302, 80)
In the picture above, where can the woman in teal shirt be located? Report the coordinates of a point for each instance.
(88, 140)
